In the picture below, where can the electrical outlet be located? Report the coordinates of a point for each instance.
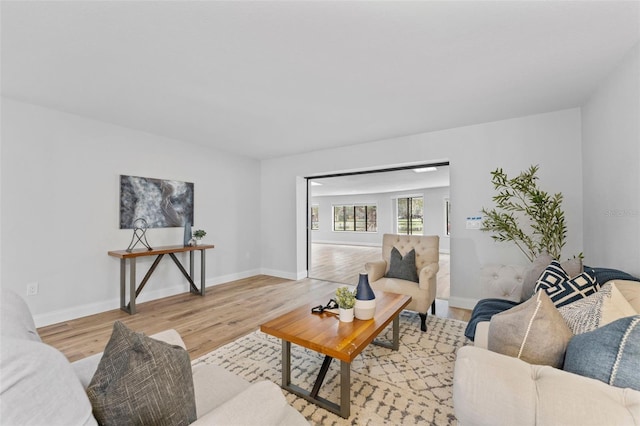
(32, 289)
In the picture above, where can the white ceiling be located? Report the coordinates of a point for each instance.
(269, 79)
(381, 182)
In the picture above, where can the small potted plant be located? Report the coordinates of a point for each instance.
(346, 299)
(198, 234)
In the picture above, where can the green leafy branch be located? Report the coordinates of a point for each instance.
(526, 215)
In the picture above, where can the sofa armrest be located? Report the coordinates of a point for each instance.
(481, 339)
(494, 389)
(376, 269)
(426, 274)
(85, 368)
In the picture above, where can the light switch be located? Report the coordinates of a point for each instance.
(474, 222)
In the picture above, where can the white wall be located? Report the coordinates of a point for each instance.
(611, 162)
(433, 213)
(60, 198)
(552, 140)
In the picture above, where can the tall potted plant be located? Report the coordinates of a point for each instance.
(526, 215)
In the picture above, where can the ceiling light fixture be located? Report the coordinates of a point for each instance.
(425, 169)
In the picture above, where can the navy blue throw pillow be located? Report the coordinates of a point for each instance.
(403, 267)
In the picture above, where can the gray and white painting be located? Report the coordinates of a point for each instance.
(162, 203)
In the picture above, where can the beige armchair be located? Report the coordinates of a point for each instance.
(423, 293)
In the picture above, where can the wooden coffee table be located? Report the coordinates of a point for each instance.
(324, 333)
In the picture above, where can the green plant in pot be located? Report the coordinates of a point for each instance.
(198, 234)
(526, 215)
(346, 299)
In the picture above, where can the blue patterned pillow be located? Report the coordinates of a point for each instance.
(402, 267)
(551, 276)
(561, 289)
(609, 353)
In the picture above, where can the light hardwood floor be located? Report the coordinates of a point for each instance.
(343, 263)
(226, 312)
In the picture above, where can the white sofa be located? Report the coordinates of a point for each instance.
(39, 386)
(494, 389)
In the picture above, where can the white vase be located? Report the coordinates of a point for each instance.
(346, 315)
(365, 309)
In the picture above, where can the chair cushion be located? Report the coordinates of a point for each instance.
(609, 353)
(533, 331)
(403, 267)
(140, 380)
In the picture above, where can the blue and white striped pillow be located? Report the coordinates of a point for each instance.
(609, 353)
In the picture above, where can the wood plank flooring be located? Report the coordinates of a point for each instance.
(226, 312)
(343, 263)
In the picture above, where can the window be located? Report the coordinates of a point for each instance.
(410, 218)
(314, 218)
(355, 218)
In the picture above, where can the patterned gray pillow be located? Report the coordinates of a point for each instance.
(585, 314)
(403, 267)
(597, 310)
(141, 380)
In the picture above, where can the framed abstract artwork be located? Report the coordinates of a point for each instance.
(162, 203)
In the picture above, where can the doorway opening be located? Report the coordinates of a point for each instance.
(348, 213)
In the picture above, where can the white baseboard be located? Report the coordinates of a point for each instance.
(462, 302)
(283, 274)
(232, 277)
(55, 317)
(149, 294)
(347, 243)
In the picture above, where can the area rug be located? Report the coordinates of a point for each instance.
(410, 386)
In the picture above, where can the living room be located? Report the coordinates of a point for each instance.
(558, 88)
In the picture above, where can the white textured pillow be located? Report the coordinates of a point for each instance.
(615, 307)
(631, 292)
(596, 310)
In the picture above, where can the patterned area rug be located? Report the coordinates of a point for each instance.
(410, 386)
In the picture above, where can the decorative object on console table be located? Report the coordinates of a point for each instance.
(187, 233)
(139, 234)
(198, 234)
(165, 203)
(365, 306)
(346, 301)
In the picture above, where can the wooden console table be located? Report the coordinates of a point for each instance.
(123, 255)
